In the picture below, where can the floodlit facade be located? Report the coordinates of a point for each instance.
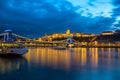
(65, 35)
(107, 33)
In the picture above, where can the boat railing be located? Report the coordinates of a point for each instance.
(11, 45)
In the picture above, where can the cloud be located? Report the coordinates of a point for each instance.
(116, 10)
(116, 14)
(116, 2)
(39, 17)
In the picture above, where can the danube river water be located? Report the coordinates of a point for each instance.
(68, 64)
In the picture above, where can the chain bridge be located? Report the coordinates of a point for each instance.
(9, 39)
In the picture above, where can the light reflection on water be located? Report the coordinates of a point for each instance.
(11, 64)
(68, 58)
(79, 63)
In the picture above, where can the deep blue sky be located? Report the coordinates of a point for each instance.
(38, 17)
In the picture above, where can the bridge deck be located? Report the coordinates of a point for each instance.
(53, 44)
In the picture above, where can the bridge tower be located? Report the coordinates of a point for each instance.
(8, 36)
(70, 41)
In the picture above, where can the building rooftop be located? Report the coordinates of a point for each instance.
(107, 32)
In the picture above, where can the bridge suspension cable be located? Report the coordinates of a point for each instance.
(19, 36)
(68, 39)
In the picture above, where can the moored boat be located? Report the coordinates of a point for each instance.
(15, 50)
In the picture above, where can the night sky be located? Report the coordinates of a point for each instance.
(34, 18)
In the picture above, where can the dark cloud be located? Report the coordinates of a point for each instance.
(39, 17)
(116, 13)
(116, 2)
(118, 25)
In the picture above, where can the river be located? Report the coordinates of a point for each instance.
(68, 64)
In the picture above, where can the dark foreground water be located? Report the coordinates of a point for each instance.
(69, 64)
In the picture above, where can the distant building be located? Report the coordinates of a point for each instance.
(77, 34)
(87, 35)
(117, 32)
(107, 33)
(68, 32)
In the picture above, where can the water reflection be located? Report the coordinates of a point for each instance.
(11, 64)
(69, 64)
(71, 58)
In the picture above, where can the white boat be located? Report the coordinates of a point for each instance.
(16, 50)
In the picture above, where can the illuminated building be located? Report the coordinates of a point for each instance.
(87, 35)
(68, 33)
(107, 33)
(77, 34)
